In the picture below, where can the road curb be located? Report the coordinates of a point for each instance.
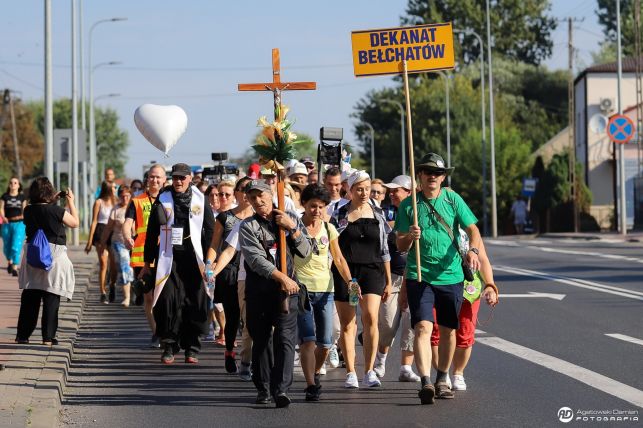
(37, 375)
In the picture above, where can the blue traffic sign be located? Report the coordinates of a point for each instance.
(620, 129)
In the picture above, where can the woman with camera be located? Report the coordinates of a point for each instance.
(40, 285)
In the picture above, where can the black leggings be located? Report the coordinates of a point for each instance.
(230, 302)
(29, 309)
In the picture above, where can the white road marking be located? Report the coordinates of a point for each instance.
(502, 243)
(574, 282)
(537, 295)
(588, 377)
(625, 338)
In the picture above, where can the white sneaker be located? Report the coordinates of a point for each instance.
(297, 362)
(408, 376)
(458, 383)
(379, 367)
(333, 357)
(351, 380)
(322, 371)
(371, 380)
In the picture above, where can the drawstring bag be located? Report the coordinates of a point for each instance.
(38, 252)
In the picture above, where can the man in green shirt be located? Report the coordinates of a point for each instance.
(440, 265)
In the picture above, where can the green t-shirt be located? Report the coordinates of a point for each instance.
(314, 270)
(439, 259)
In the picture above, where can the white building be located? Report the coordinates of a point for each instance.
(595, 100)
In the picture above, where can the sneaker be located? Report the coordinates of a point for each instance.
(443, 391)
(230, 362)
(322, 371)
(155, 342)
(220, 341)
(262, 398)
(103, 299)
(191, 358)
(408, 376)
(371, 380)
(351, 381)
(458, 383)
(427, 394)
(333, 357)
(168, 355)
(313, 392)
(244, 372)
(112, 293)
(14, 271)
(282, 400)
(380, 367)
(9, 268)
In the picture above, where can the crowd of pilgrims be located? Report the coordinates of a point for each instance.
(203, 258)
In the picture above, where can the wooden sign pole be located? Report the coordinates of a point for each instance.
(409, 129)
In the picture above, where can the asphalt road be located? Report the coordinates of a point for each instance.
(535, 354)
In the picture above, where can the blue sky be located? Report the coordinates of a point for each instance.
(193, 54)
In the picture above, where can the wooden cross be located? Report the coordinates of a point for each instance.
(277, 87)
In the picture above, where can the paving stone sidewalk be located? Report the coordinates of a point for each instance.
(33, 376)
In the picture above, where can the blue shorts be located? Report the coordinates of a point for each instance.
(125, 271)
(317, 324)
(447, 300)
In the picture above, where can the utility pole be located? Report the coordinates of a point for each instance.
(492, 138)
(621, 151)
(15, 137)
(73, 158)
(639, 88)
(573, 179)
(49, 97)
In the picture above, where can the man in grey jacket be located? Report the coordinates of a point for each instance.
(266, 288)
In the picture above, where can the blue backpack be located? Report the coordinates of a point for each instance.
(38, 252)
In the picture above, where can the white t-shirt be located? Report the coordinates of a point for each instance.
(233, 241)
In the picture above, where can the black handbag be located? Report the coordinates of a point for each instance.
(466, 270)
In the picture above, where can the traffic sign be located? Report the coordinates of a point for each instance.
(620, 129)
(424, 47)
(529, 186)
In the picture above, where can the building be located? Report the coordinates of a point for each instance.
(595, 101)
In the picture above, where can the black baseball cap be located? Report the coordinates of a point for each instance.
(181, 169)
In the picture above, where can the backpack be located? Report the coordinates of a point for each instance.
(38, 252)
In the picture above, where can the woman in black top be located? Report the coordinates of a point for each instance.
(38, 284)
(363, 232)
(12, 204)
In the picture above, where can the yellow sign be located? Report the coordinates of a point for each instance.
(424, 47)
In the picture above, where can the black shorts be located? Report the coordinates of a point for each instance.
(447, 300)
(370, 277)
(98, 234)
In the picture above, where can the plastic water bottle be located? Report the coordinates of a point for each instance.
(353, 296)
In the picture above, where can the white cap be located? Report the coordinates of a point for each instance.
(400, 181)
(297, 168)
(357, 177)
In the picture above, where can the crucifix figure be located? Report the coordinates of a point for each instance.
(277, 87)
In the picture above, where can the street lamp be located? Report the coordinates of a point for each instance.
(92, 124)
(492, 140)
(372, 138)
(92, 143)
(485, 219)
(402, 126)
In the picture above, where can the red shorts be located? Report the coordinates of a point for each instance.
(464, 335)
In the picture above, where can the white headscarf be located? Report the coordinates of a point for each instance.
(357, 177)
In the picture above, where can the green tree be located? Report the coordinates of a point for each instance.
(112, 141)
(521, 28)
(606, 13)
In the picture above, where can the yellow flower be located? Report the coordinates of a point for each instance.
(262, 121)
(291, 137)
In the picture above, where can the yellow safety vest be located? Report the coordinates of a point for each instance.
(143, 205)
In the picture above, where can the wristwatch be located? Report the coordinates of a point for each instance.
(475, 251)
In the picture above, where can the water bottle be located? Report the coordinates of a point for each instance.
(353, 296)
(209, 275)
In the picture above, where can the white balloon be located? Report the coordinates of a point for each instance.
(161, 125)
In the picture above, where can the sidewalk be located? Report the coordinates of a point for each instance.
(632, 236)
(33, 377)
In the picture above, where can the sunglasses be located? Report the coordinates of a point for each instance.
(179, 177)
(223, 194)
(436, 172)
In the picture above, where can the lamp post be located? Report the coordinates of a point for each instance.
(492, 140)
(370, 127)
(49, 106)
(448, 116)
(92, 141)
(92, 123)
(621, 152)
(402, 127)
(485, 219)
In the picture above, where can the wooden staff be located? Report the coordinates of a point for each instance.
(409, 129)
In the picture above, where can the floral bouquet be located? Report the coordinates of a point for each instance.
(276, 144)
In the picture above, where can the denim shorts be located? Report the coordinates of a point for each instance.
(317, 324)
(125, 271)
(447, 299)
